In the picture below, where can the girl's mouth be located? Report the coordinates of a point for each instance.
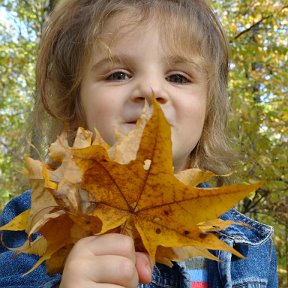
(130, 125)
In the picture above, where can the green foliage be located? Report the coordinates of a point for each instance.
(257, 32)
(20, 27)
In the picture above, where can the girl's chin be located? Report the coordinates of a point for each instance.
(127, 127)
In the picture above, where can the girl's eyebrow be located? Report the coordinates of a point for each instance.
(99, 64)
(171, 60)
(104, 62)
(178, 60)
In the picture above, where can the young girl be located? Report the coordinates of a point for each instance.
(99, 61)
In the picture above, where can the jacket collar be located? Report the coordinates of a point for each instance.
(254, 233)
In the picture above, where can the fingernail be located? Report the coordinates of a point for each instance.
(148, 268)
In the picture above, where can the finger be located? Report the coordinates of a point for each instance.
(108, 244)
(89, 285)
(117, 270)
(104, 285)
(144, 267)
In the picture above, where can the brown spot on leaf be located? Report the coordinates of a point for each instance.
(158, 231)
(202, 235)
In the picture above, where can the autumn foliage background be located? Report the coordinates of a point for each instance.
(257, 32)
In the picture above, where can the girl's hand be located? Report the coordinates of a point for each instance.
(106, 261)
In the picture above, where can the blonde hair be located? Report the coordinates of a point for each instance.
(75, 26)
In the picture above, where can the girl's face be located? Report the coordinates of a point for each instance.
(116, 84)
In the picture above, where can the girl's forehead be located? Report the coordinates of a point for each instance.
(175, 39)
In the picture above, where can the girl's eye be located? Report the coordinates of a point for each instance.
(178, 79)
(118, 76)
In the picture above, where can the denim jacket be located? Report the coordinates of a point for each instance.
(257, 270)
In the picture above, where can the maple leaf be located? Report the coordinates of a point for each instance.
(54, 209)
(144, 195)
(129, 188)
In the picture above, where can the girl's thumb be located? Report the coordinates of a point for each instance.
(144, 267)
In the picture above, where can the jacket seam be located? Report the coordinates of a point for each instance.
(249, 282)
(263, 228)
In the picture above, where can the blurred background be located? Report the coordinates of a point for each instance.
(258, 37)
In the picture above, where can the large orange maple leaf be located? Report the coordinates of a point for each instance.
(145, 200)
(129, 188)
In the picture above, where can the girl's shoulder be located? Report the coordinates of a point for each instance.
(12, 268)
(15, 206)
(249, 231)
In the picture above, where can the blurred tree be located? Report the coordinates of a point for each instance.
(20, 28)
(258, 36)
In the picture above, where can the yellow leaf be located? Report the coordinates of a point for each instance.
(153, 201)
(19, 223)
(130, 188)
(194, 176)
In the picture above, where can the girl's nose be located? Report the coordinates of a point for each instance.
(148, 90)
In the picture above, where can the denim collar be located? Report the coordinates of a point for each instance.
(253, 234)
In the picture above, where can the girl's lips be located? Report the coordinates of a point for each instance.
(131, 125)
(131, 119)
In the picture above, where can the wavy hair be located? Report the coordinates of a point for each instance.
(74, 28)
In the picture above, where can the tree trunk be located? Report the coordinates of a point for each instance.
(36, 149)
